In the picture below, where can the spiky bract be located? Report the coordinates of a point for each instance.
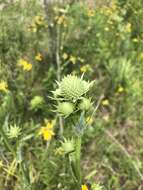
(72, 87)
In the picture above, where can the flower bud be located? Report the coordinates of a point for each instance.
(68, 145)
(65, 108)
(85, 104)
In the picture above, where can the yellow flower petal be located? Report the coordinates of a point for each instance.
(65, 56)
(84, 187)
(72, 59)
(105, 102)
(25, 65)
(120, 89)
(39, 57)
(3, 86)
(47, 131)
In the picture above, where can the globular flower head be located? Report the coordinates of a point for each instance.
(13, 132)
(85, 104)
(73, 88)
(65, 108)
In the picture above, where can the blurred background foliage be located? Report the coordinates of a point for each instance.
(40, 42)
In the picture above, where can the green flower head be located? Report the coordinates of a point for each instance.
(65, 108)
(72, 88)
(13, 132)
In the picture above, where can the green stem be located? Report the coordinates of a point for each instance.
(78, 161)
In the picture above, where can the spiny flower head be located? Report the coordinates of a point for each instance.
(13, 132)
(73, 88)
(85, 104)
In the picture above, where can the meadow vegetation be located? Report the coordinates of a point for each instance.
(71, 95)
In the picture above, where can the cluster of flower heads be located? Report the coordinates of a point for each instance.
(26, 66)
(37, 23)
(71, 95)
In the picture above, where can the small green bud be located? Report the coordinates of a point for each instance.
(36, 103)
(65, 108)
(68, 146)
(85, 104)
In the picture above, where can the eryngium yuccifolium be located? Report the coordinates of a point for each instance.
(72, 87)
(65, 108)
(85, 104)
(13, 132)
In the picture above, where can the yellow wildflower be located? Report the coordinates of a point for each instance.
(89, 120)
(83, 69)
(105, 102)
(61, 20)
(65, 56)
(91, 13)
(3, 86)
(32, 28)
(47, 131)
(72, 59)
(120, 89)
(39, 57)
(25, 65)
(84, 187)
(39, 20)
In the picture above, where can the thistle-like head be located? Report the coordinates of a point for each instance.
(72, 88)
